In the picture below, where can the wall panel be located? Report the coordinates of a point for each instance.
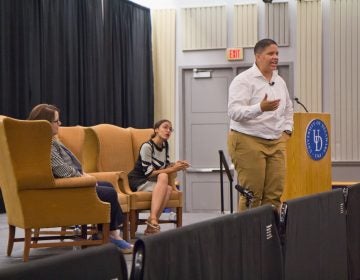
(163, 41)
(277, 22)
(204, 28)
(245, 25)
(344, 79)
(309, 54)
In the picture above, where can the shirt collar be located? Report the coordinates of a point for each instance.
(257, 73)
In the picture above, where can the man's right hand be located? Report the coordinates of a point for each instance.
(267, 105)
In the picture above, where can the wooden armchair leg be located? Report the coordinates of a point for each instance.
(179, 217)
(126, 226)
(106, 233)
(27, 244)
(62, 233)
(133, 221)
(36, 234)
(11, 239)
(137, 220)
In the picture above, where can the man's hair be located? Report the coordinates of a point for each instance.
(262, 44)
(43, 112)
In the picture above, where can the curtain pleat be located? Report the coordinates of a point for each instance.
(19, 56)
(72, 59)
(69, 53)
(130, 79)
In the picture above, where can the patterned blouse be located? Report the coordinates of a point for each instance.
(151, 158)
(63, 162)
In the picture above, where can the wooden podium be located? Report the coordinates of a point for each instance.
(304, 174)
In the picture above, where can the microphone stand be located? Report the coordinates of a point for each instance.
(249, 201)
(249, 195)
(223, 163)
(302, 105)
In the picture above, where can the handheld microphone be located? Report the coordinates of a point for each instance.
(272, 83)
(302, 105)
(245, 192)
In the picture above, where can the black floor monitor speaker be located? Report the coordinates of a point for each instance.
(236, 246)
(93, 263)
(315, 237)
(353, 231)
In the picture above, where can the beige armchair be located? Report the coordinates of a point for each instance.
(34, 199)
(83, 142)
(119, 149)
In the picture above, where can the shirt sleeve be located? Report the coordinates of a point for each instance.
(288, 113)
(239, 107)
(60, 168)
(146, 159)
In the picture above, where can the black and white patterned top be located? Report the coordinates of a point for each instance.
(63, 162)
(151, 157)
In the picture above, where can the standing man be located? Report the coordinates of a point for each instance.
(261, 122)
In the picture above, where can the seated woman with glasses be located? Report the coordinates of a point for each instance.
(151, 170)
(64, 165)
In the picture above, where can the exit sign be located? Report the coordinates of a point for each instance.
(235, 54)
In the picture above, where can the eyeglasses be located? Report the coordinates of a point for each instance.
(168, 128)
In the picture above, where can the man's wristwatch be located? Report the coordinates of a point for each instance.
(288, 132)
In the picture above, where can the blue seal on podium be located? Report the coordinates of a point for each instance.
(317, 139)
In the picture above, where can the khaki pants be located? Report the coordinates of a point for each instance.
(260, 165)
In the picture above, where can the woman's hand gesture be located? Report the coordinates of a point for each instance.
(180, 165)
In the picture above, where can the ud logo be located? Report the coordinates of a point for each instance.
(316, 139)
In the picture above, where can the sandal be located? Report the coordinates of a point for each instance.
(151, 228)
(152, 225)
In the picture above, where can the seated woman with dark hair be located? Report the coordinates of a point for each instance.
(64, 164)
(151, 172)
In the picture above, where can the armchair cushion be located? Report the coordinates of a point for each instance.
(115, 148)
(73, 138)
(113, 178)
(138, 137)
(21, 163)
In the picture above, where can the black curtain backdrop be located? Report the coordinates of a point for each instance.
(19, 56)
(129, 64)
(72, 75)
(56, 51)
